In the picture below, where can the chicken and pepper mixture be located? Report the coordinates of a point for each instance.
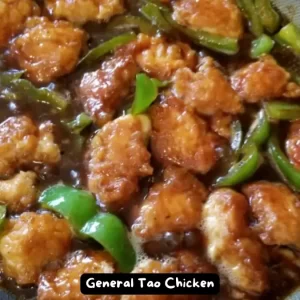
(172, 123)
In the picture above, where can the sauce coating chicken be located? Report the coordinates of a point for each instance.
(22, 143)
(118, 158)
(277, 212)
(174, 205)
(64, 283)
(47, 50)
(180, 137)
(102, 92)
(221, 123)
(19, 192)
(206, 91)
(13, 14)
(221, 17)
(82, 11)
(230, 243)
(161, 59)
(261, 80)
(31, 241)
(292, 144)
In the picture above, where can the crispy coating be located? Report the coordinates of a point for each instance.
(13, 14)
(230, 244)
(161, 59)
(277, 212)
(82, 11)
(180, 137)
(118, 158)
(64, 283)
(261, 80)
(221, 17)
(292, 144)
(19, 192)
(103, 91)
(22, 143)
(221, 124)
(174, 205)
(47, 50)
(31, 241)
(206, 91)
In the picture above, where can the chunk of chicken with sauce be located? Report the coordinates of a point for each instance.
(13, 14)
(47, 50)
(231, 245)
(180, 137)
(19, 193)
(173, 205)
(161, 59)
(82, 11)
(207, 91)
(276, 211)
(221, 17)
(292, 144)
(64, 282)
(29, 242)
(221, 124)
(118, 158)
(22, 143)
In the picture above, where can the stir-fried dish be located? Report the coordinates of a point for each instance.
(149, 137)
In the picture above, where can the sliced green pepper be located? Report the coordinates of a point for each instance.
(2, 215)
(282, 111)
(242, 170)
(77, 206)
(263, 45)
(109, 46)
(289, 35)
(79, 123)
(268, 16)
(110, 232)
(282, 165)
(236, 135)
(249, 10)
(7, 77)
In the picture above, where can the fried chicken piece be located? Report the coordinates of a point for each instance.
(118, 158)
(103, 91)
(180, 137)
(261, 80)
(221, 17)
(206, 91)
(19, 192)
(221, 123)
(277, 211)
(230, 243)
(47, 50)
(292, 144)
(82, 11)
(174, 205)
(31, 241)
(161, 59)
(64, 283)
(22, 143)
(13, 14)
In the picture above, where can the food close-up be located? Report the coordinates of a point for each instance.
(149, 136)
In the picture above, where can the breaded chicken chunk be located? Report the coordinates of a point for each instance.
(221, 17)
(118, 158)
(31, 241)
(19, 192)
(180, 137)
(292, 144)
(221, 123)
(261, 80)
(13, 14)
(174, 205)
(103, 91)
(161, 59)
(22, 143)
(206, 91)
(230, 243)
(64, 283)
(277, 213)
(82, 11)
(47, 50)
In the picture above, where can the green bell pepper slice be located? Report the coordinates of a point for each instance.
(79, 123)
(289, 35)
(3, 212)
(111, 233)
(282, 111)
(7, 77)
(261, 46)
(236, 135)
